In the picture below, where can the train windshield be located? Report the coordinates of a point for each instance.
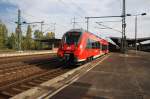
(72, 37)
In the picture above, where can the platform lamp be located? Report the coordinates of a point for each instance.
(136, 16)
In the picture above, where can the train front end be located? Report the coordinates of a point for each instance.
(68, 50)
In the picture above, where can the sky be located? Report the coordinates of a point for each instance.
(62, 13)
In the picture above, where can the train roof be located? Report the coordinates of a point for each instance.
(77, 30)
(82, 30)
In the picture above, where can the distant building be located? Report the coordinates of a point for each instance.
(52, 43)
(143, 43)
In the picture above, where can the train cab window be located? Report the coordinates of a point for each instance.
(72, 37)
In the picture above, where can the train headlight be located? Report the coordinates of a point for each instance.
(81, 46)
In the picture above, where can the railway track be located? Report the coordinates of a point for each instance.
(7, 75)
(10, 71)
(25, 75)
(23, 62)
(14, 73)
(22, 85)
(10, 67)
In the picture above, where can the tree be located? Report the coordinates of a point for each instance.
(24, 43)
(50, 35)
(29, 32)
(28, 38)
(12, 41)
(38, 36)
(5, 31)
(3, 35)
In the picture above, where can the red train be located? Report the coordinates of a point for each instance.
(78, 45)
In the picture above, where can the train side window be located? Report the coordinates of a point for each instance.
(93, 44)
(88, 44)
(97, 45)
(104, 47)
(100, 46)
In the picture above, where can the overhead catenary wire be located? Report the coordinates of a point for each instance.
(67, 5)
(109, 27)
(52, 25)
(25, 14)
(115, 21)
(78, 7)
(110, 21)
(10, 19)
(31, 16)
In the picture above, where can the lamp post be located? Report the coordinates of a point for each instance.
(136, 16)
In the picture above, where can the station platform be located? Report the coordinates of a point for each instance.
(25, 53)
(120, 76)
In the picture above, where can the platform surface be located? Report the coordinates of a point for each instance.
(118, 77)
